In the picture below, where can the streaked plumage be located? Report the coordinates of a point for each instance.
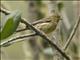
(50, 26)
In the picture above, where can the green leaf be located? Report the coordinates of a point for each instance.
(11, 24)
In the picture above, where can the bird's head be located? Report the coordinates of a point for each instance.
(56, 17)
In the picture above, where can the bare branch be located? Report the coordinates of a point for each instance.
(14, 40)
(72, 34)
(40, 33)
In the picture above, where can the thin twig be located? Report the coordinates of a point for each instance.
(20, 30)
(40, 33)
(11, 41)
(72, 34)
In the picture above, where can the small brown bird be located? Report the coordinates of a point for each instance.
(49, 24)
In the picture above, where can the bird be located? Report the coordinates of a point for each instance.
(48, 24)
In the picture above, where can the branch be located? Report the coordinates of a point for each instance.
(40, 33)
(72, 34)
(11, 41)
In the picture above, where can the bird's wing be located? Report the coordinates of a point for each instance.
(44, 20)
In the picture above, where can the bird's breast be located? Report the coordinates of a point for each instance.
(46, 27)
